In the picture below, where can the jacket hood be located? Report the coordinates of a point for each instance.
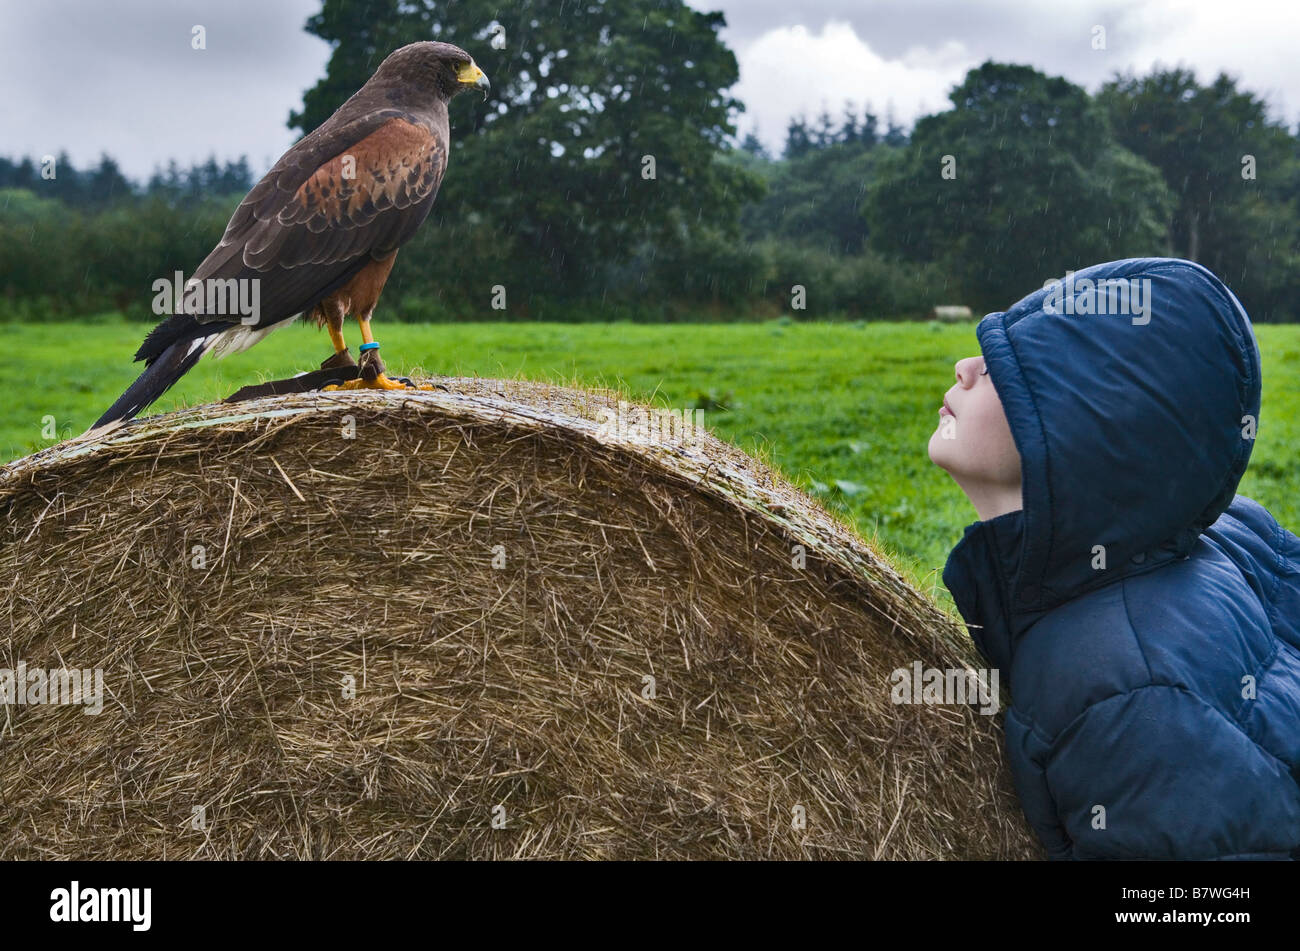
(1132, 391)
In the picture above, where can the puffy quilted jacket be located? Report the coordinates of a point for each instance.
(1144, 616)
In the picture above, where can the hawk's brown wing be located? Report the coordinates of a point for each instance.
(332, 203)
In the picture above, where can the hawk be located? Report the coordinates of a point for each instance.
(319, 234)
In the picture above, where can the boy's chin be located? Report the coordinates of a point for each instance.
(940, 454)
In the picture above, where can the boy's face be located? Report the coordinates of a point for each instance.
(973, 442)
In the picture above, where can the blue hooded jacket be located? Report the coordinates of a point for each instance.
(1145, 617)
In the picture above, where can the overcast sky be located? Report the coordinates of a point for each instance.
(91, 76)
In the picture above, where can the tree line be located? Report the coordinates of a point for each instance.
(604, 179)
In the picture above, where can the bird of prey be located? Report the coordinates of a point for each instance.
(320, 232)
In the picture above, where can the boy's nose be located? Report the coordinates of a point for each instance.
(968, 370)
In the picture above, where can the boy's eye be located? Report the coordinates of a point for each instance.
(984, 372)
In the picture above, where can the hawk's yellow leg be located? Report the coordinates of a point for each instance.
(380, 382)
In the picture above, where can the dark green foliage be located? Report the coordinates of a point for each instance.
(802, 137)
(1020, 181)
(78, 261)
(816, 198)
(1240, 223)
(92, 188)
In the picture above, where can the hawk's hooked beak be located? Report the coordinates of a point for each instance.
(470, 75)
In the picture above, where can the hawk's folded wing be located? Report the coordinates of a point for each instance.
(332, 203)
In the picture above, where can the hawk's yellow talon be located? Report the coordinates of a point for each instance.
(380, 382)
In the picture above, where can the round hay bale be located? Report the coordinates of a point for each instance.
(477, 622)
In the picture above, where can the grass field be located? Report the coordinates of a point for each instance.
(844, 410)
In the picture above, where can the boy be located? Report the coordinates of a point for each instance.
(1145, 617)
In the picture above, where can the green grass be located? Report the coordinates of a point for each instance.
(844, 409)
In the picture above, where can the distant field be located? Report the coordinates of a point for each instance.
(845, 410)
